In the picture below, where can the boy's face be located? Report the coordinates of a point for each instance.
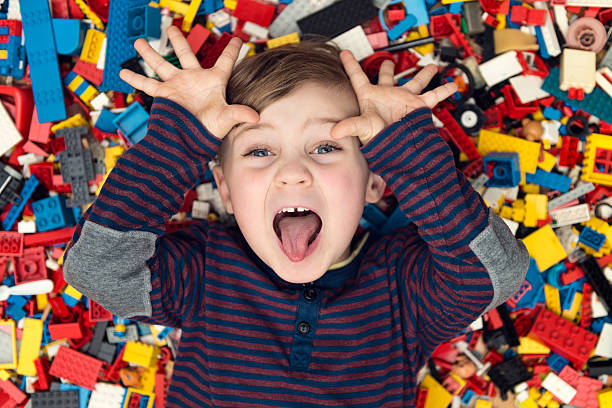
(294, 162)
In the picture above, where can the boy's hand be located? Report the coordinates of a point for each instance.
(200, 91)
(384, 104)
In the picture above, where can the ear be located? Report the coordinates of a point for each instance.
(222, 188)
(375, 188)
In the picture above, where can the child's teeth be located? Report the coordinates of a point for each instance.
(300, 209)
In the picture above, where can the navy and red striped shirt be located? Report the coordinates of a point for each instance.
(355, 337)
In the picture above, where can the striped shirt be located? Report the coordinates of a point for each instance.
(355, 337)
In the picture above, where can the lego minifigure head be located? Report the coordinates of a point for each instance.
(288, 160)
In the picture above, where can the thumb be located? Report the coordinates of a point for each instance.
(235, 114)
(355, 126)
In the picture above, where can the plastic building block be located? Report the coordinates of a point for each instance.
(125, 24)
(286, 22)
(255, 12)
(597, 160)
(51, 213)
(529, 152)
(141, 354)
(556, 362)
(42, 58)
(10, 135)
(76, 367)
(31, 265)
(502, 168)
(8, 345)
(68, 35)
(550, 180)
(591, 238)
(76, 165)
(559, 388)
(564, 337)
(457, 134)
(338, 18)
(598, 281)
(107, 395)
(11, 243)
(133, 122)
(508, 374)
(30, 346)
(20, 203)
(437, 395)
(83, 89)
(59, 399)
(547, 38)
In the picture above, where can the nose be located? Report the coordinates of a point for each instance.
(293, 172)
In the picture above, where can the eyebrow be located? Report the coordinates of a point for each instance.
(318, 120)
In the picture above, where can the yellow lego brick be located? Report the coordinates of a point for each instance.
(595, 168)
(190, 15)
(572, 312)
(602, 227)
(147, 380)
(529, 188)
(531, 346)
(74, 84)
(73, 121)
(4, 375)
(518, 214)
(41, 301)
(89, 94)
(3, 54)
(529, 152)
(540, 204)
(421, 49)
(544, 247)
(285, 39)
(175, 5)
(604, 397)
(564, 120)
(460, 382)
(9, 356)
(505, 212)
(155, 330)
(140, 354)
(531, 220)
(548, 162)
(553, 303)
(72, 292)
(483, 403)
(545, 399)
(230, 4)
(30, 346)
(502, 21)
(438, 396)
(90, 14)
(553, 404)
(251, 49)
(92, 45)
(528, 403)
(534, 393)
(128, 396)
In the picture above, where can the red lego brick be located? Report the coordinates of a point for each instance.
(44, 173)
(197, 37)
(255, 12)
(212, 53)
(59, 9)
(518, 14)
(97, 313)
(48, 238)
(458, 135)
(13, 392)
(75, 11)
(564, 337)
(31, 265)
(42, 371)
(88, 71)
(586, 387)
(587, 310)
(76, 367)
(11, 243)
(161, 389)
(569, 151)
(70, 330)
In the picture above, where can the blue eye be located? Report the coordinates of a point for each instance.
(328, 148)
(255, 152)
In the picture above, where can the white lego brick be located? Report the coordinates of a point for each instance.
(597, 308)
(162, 45)
(219, 18)
(561, 19)
(492, 196)
(559, 388)
(513, 225)
(603, 78)
(570, 215)
(255, 30)
(26, 227)
(106, 395)
(511, 193)
(589, 3)
(200, 209)
(528, 88)
(29, 158)
(577, 70)
(548, 31)
(476, 324)
(500, 68)
(101, 101)
(10, 134)
(604, 344)
(286, 22)
(102, 57)
(14, 12)
(568, 238)
(356, 41)
(205, 192)
(52, 264)
(550, 131)
(244, 50)
(607, 271)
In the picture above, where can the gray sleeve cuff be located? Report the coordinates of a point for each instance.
(505, 257)
(110, 267)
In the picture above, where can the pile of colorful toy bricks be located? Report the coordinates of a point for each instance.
(529, 126)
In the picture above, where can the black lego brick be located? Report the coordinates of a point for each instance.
(56, 399)
(338, 18)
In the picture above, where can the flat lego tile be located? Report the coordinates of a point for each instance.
(338, 18)
(55, 399)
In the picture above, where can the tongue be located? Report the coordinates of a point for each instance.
(295, 233)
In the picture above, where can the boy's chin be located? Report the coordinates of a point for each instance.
(296, 277)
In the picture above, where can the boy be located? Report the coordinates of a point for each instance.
(292, 309)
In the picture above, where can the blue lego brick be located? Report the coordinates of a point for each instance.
(534, 277)
(152, 22)
(551, 113)
(401, 27)
(567, 297)
(19, 204)
(541, 42)
(69, 300)
(596, 103)
(124, 23)
(467, 397)
(210, 6)
(14, 63)
(84, 393)
(556, 362)
(105, 121)
(597, 324)
(591, 238)
(133, 122)
(553, 273)
(502, 168)
(456, 8)
(42, 59)
(550, 180)
(69, 35)
(51, 213)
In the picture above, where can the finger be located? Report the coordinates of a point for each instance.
(161, 67)
(437, 95)
(235, 114)
(182, 49)
(421, 79)
(354, 126)
(140, 82)
(385, 74)
(358, 78)
(225, 62)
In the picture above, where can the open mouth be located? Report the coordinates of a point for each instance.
(318, 223)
